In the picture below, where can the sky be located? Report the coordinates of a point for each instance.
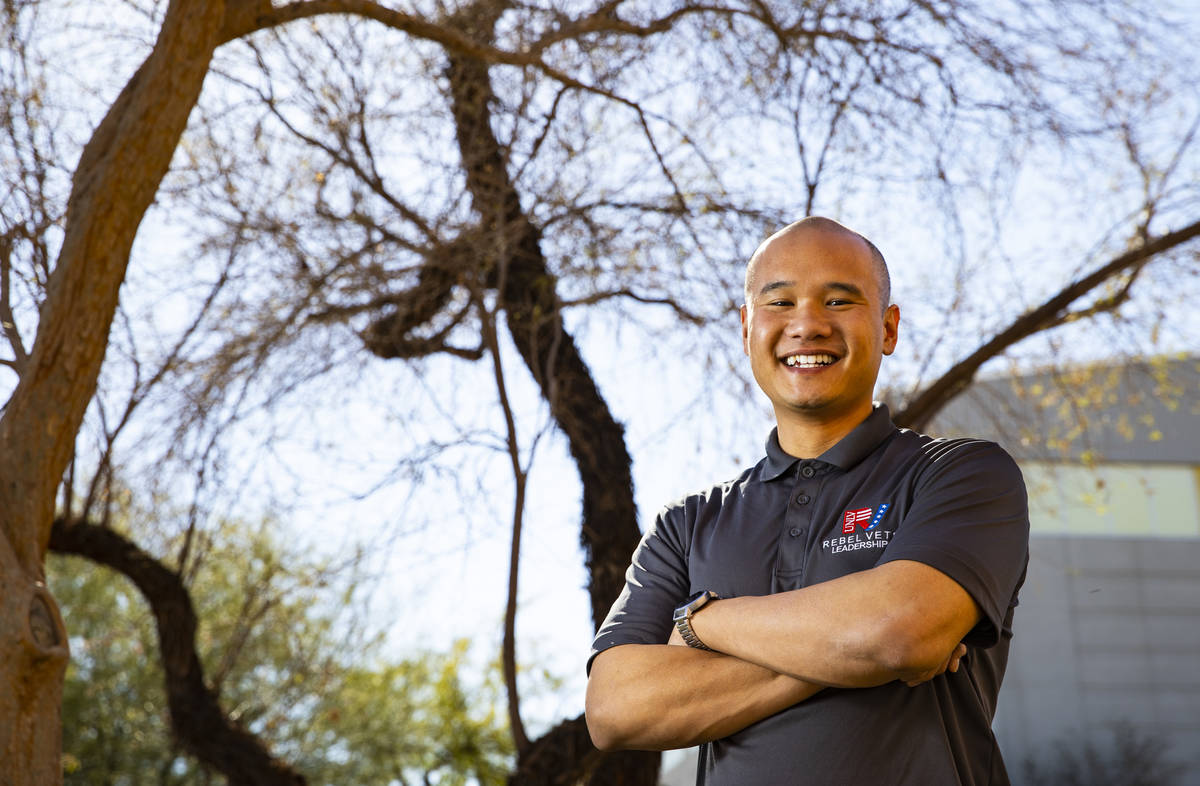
(339, 470)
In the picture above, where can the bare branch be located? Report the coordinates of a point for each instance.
(680, 311)
(927, 403)
(487, 322)
(8, 320)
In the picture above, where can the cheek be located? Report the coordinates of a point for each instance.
(761, 344)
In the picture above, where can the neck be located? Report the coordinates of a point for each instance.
(808, 436)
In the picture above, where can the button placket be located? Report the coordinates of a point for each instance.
(799, 515)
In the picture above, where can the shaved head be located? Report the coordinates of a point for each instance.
(826, 225)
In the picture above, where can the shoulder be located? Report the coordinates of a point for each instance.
(935, 458)
(718, 494)
(684, 511)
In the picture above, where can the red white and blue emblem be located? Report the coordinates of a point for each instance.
(860, 518)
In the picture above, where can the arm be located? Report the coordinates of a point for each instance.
(644, 694)
(949, 573)
(900, 620)
(657, 697)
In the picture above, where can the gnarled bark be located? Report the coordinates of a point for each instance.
(528, 293)
(511, 262)
(116, 179)
(33, 657)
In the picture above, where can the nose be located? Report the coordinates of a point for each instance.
(808, 320)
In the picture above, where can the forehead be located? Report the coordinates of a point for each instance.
(811, 257)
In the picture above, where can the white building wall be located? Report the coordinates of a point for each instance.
(1108, 631)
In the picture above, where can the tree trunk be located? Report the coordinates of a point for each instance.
(116, 179)
(609, 530)
(33, 657)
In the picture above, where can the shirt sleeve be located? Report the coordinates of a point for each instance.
(656, 583)
(969, 519)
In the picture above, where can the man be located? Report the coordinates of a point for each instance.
(851, 595)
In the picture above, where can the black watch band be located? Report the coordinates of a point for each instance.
(683, 619)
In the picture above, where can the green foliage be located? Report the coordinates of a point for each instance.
(427, 725)
(114, 730)
(287, 666)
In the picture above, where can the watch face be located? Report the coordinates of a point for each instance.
(698, 600)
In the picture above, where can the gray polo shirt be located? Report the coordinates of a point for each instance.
(880, 494)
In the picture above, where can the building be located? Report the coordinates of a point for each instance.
(1108, 631)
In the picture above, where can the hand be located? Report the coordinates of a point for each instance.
(675, 639)
(950, 664)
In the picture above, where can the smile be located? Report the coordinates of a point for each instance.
(809, 361)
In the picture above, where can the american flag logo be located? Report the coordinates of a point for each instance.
(852, 517)
(861, 516)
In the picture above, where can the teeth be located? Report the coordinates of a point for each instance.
(808, 361)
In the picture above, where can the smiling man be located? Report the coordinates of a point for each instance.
(840, 613)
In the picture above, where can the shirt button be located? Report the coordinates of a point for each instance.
(804, 499)
(794, 532)
(807, 471)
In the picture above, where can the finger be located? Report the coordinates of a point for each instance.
(955, 657)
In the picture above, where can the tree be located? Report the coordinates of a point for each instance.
(273, 641)
(522, 212)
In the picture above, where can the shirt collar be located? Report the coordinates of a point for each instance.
(849, 450)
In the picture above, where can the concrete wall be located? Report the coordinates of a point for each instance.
(1108, 631)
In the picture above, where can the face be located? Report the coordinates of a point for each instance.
(814, 326)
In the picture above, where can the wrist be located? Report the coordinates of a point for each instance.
(685, 614)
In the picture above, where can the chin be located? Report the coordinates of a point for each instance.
(808, 406)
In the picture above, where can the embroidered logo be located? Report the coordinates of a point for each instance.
(860, 517)
(852, 517)
(878, 515)
(852, 539)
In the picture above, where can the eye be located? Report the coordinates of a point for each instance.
(837, 301)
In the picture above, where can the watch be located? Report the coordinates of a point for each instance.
(683, 619)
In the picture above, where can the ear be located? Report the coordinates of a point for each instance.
(745, 329)
(891, 328)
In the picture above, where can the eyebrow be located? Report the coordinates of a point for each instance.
(840, 286)
(771, 287)
(850, 289)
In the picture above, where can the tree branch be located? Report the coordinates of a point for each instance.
(933, 398)
(390, 334)
(197, 719)
(680, 311)
(8, 320)
(520, 476)
(118, 174)
(528, 295)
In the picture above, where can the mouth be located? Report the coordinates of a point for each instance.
(809, 360)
